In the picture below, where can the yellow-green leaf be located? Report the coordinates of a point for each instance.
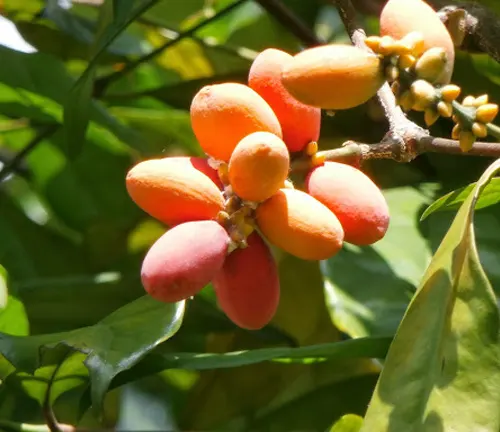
(442, 372)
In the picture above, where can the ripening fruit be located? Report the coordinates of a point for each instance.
(184, 259)
(400, 17)
(333, 76)
(258, 166)
(354, 198)
(176, 189)
(247, 286)
(300, 225)
(223, 114)
(300, 123)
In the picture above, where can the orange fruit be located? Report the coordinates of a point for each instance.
(300, 225)
(176, 189)
(300, 123)
(223, 114)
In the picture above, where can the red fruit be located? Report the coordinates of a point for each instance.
(184, 260)
(300, 123)
(354, 198)
(247, 286)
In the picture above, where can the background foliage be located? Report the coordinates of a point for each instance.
(71, 240)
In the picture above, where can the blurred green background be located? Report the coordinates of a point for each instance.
(71, 240)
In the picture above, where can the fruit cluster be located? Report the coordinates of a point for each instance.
(221, 208)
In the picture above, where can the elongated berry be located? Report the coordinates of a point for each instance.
(176, 189)
(300, 123)
(258, 166)
(354, 198)
(333, 76)
(300, 225)
(247, 286)
(223, 114)
(185, 259)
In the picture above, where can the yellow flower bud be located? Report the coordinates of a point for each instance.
(450, 92)
(466, 140)
(423, 93)
(406, 61)
(318, 159)
(469, 101)
(386, 46)
(481, 100)
(415, 43)
(311, 148)
(486, 113)
(479, 129)
(444, 109)
(432, 64)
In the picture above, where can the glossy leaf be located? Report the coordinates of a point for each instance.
(453, 200)
(113, 345)
(13, 318)
(442, 371)
(35, 86)
(116, 16)
(357, 348)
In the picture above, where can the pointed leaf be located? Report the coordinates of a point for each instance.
(442, 371)
(113, 345)
(13, 319)
(453, 200)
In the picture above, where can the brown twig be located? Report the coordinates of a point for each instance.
(13, 164)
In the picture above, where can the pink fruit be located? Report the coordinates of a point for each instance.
(352, 196)
(184, 260)
(247, 286)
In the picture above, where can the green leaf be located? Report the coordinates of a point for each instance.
(348, 423)
(453, 200)
(116, 17)
(368, 288)
(113, 345)
(13, 318)
(442, 371)
(35, 86)
(356, 348)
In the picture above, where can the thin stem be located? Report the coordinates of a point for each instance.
(238, 51)
(290, 21)
(493, 130)
(103, 83)
(12, 165)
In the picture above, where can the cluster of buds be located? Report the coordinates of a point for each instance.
(471, 119)
(419, 79)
